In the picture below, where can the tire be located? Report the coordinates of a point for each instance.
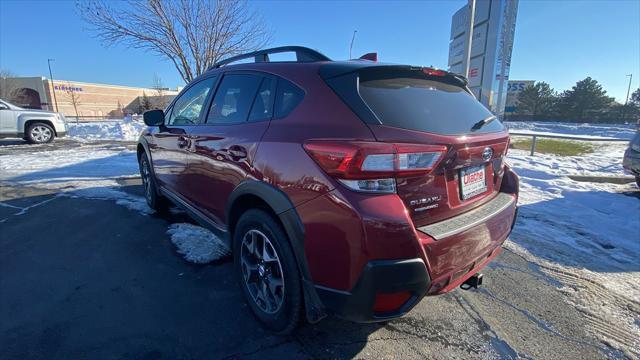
(39, 133)
(151, 194)
(280, 312)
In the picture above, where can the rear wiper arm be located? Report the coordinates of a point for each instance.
(483, 122)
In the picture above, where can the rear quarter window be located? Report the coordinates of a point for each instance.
(288, 96)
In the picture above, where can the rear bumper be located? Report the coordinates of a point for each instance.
(453, 257)
(358, 246)
(378, 277)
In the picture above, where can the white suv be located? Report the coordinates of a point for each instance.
(35, 126)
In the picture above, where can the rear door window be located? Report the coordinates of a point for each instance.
(425, 104)
(234, 99)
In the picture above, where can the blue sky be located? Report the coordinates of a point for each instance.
(559, 42)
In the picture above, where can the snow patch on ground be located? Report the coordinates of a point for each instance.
(585, 234)
(87, 171)
(119, 130)
(106, 190)
(82, 162)
(621, 131)
(197, 244)
(605, 160)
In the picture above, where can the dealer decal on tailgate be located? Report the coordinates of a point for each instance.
(472, 181)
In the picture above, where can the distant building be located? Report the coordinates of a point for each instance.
(91, 99)
(513, 91)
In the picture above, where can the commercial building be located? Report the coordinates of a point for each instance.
(492, 36)
(87, 99)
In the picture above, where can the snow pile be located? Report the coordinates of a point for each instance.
(119, 130)
(621, 131)
(83, 162)
(197, 244)
(585, 234)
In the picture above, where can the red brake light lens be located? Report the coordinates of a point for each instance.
(377, 163)
(390, 302)
(434, 72)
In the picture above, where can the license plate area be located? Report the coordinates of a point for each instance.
(473, 181)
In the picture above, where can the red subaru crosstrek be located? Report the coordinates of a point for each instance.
(352, 188)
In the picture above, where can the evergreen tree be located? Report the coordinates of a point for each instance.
(536, 100)
(635, 97)
(585, 101)
(145, 103)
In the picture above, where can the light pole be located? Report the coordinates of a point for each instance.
(353, 38)
(53, 88)
(628, 89)
(624, 108)
(467, 56)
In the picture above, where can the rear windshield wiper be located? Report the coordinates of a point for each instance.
(483, 122)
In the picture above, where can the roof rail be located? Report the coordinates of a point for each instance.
(303, 54)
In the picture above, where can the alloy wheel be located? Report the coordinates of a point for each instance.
(262, 271)
(41, 133)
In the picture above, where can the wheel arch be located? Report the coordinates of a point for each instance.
(28, 123)
(143, 148)
(256, 194)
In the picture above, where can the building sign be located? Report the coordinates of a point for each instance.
(67, 88)
(514, 88)
(492, 42)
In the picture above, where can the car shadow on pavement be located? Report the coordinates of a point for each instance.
(84, 278)
(583, 229)
(10, 142)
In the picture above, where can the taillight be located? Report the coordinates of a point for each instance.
(373, 166)
(433, 72)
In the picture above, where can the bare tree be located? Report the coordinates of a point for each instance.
(192, 34)
(160, 94)
(74, 98)
(7, 85)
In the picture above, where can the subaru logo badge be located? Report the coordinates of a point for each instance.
(487, 154)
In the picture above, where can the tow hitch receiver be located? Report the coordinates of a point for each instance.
(473, 282)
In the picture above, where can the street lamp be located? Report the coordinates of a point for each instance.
(624, 108)
(353, 38)
(53, 88)
(628, 89)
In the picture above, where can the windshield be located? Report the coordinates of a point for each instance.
(426, 105)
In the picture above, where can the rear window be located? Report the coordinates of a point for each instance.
(424, 104)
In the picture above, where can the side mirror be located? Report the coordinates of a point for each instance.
(153, 117)
(2, 107)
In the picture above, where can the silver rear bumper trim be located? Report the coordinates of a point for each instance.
(466, 221)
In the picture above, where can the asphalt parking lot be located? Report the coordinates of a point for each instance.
(85, 278)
